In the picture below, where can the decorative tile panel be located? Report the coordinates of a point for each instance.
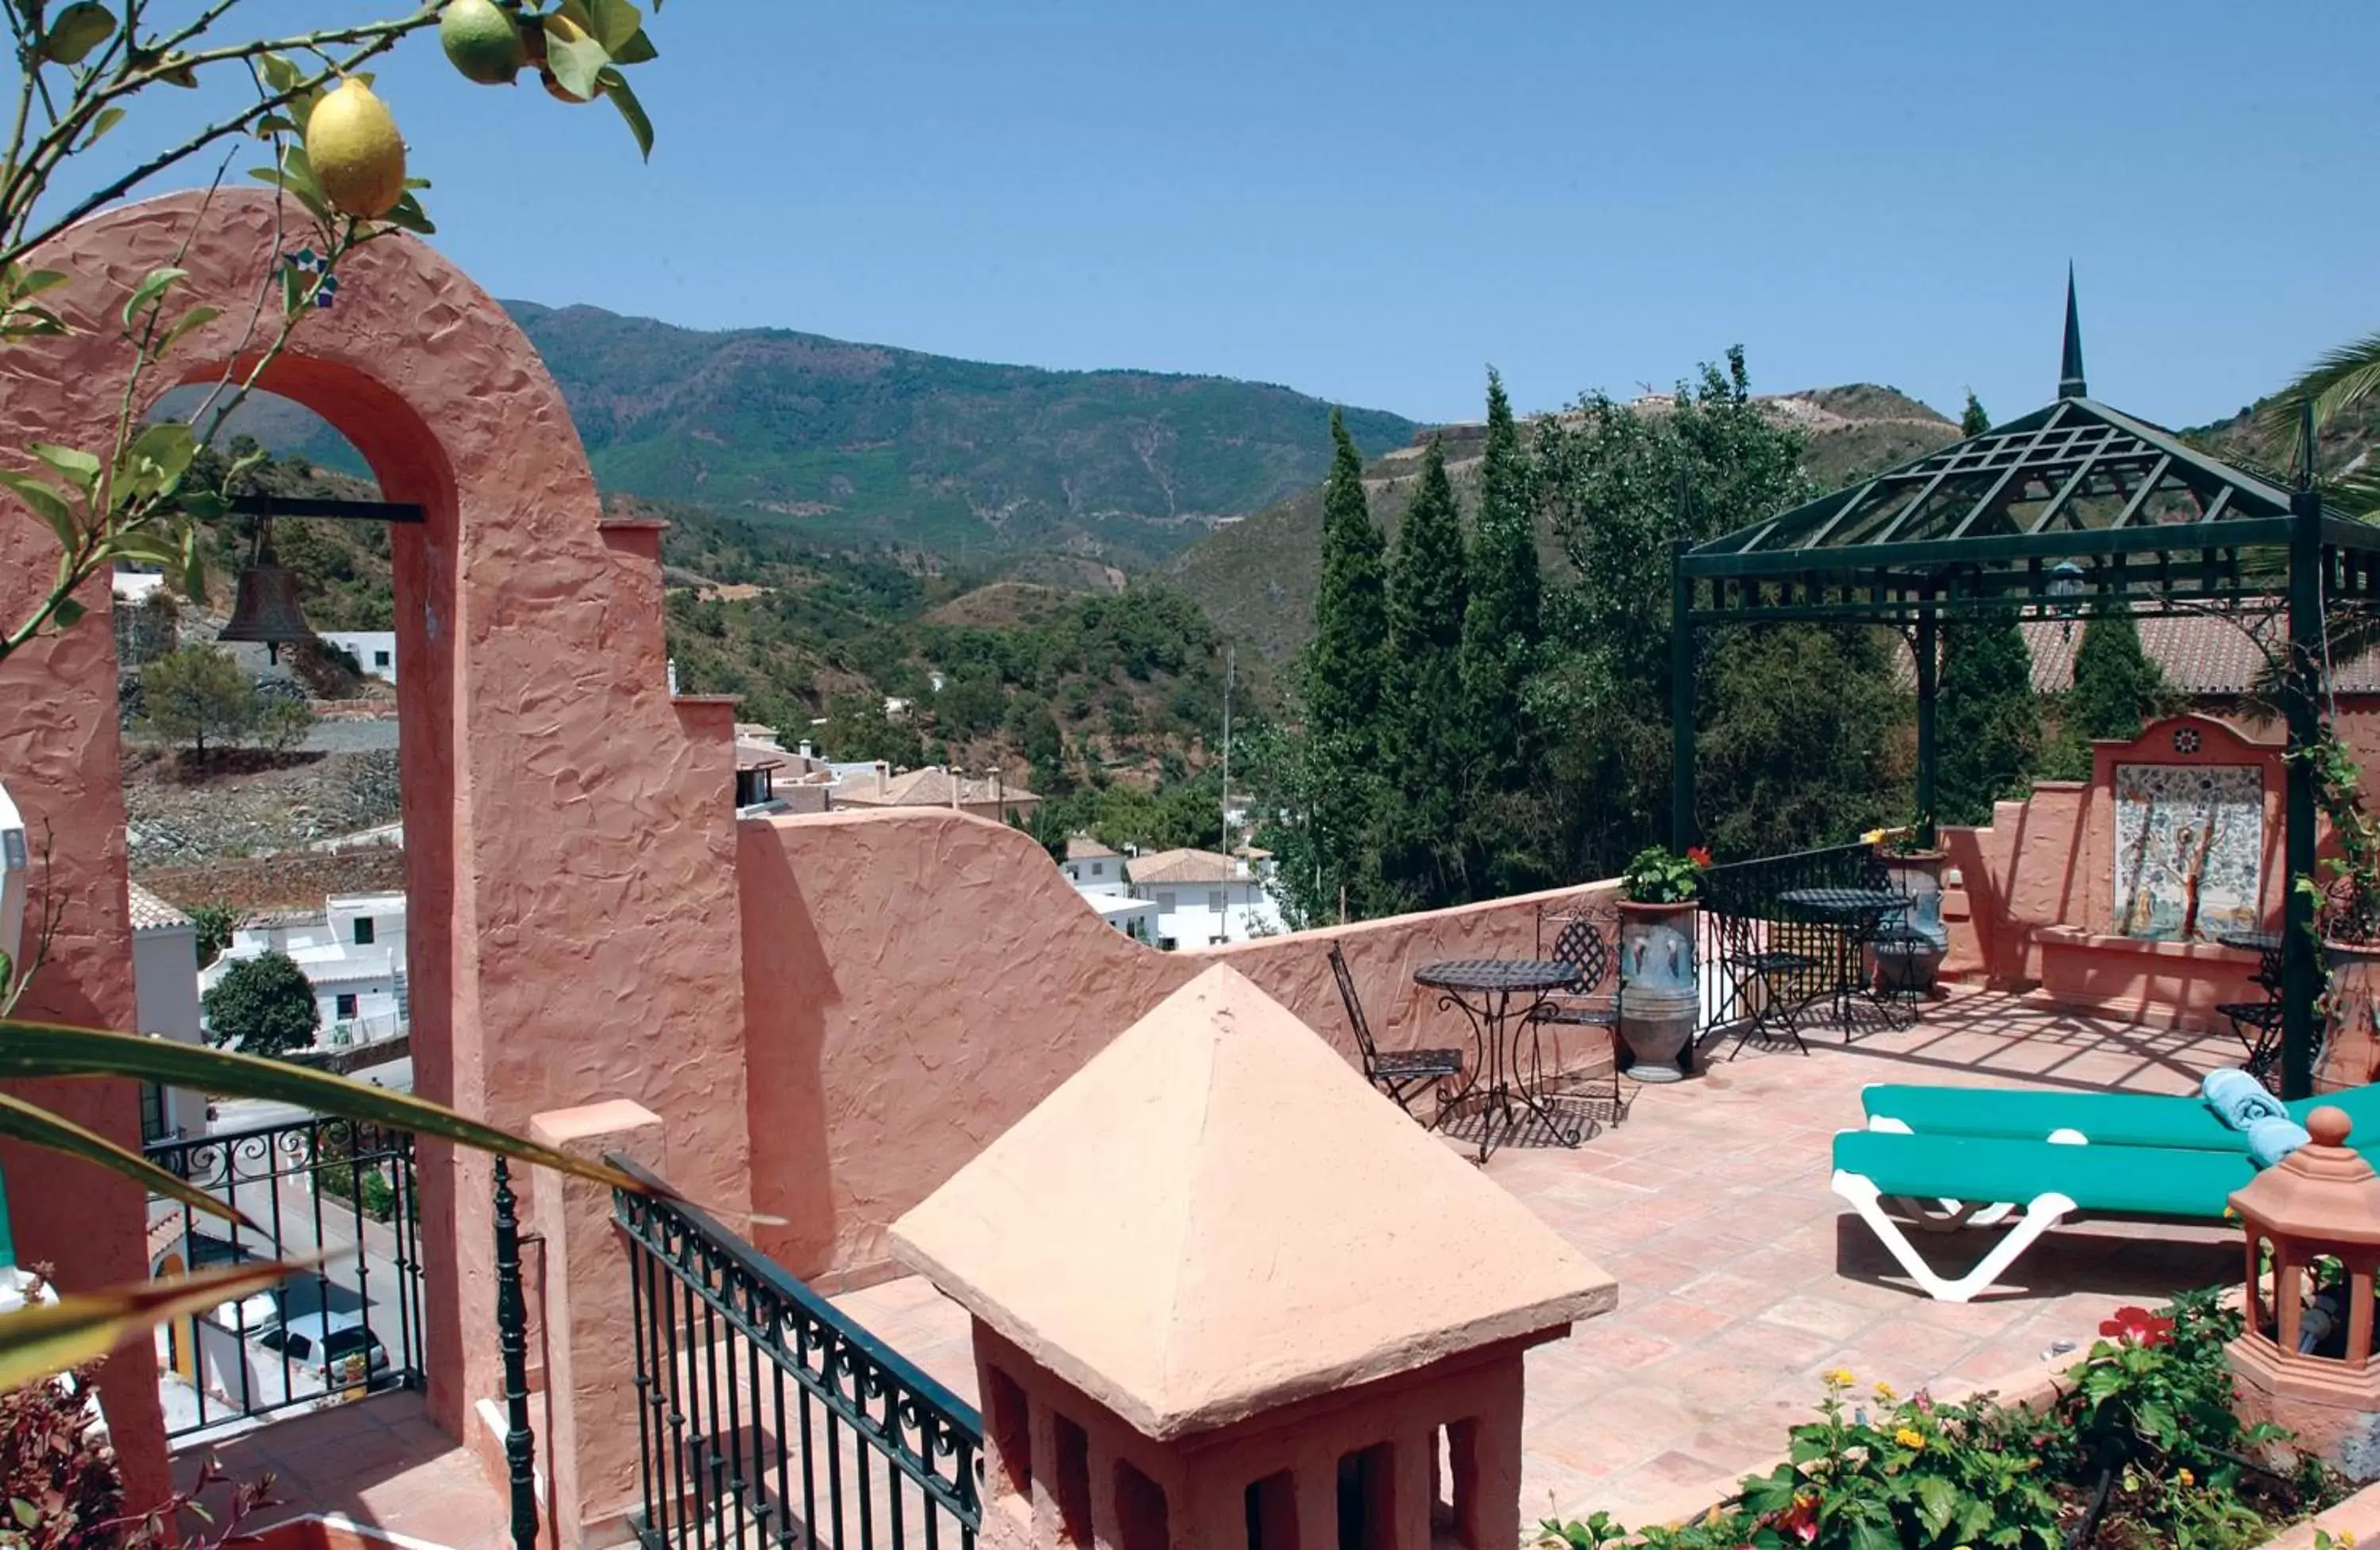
(2190, 850)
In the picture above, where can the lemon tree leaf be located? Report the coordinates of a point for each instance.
(187, 323)
(47, 504)
(53, 1050)
(80, 467)
(151, 289)
(46, 1338)
(613, 22)
(408, 215)
(66, 614)
(636, 50)
(38, 1126)
(616, 88)
(575, 56)
(108, 119)
(27, 283)
(79, 28)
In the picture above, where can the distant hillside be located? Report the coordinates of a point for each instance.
(862, 444)
(1255, 577)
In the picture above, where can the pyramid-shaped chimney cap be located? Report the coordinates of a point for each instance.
(1218, 1215)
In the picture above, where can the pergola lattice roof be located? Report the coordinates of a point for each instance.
(2150, 520)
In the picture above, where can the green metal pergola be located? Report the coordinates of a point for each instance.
(2074, 510)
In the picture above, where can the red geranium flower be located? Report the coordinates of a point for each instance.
(2138, 1326)
(1801, 1519)
(1699, 855)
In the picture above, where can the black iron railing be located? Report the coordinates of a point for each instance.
(351, 1326)
(766, 1416)
(1750, 890)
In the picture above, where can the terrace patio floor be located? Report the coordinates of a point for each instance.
(1744, 1278)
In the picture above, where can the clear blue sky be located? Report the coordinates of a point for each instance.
(1369, 201)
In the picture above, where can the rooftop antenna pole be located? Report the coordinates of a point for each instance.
(1231, 668)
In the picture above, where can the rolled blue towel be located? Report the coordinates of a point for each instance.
(2238, 1099)
(2270, 1140)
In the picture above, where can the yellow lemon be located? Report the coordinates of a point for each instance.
(481, 41)
(357, 156)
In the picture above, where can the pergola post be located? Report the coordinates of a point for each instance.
(2300, 973)
(1928, 672)
(1682, 701)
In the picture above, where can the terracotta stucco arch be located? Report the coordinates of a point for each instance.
(569, 828)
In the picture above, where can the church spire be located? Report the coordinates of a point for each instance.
(2070, 370)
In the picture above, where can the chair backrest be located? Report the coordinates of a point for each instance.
(1354, 1009)
(1580, 944)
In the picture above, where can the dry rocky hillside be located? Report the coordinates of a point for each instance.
(1255, 577)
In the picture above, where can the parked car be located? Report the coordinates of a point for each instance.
(334, 1340)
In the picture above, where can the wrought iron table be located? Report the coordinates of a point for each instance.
(1483, 989)
(1857, 913)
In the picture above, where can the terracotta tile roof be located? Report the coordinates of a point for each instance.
(1081, 847)
(2202, 655)
(1185, 867)
(152, 913)
(929, 787)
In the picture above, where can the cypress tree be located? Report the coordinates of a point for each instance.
(1344, 669)
(2116, 685)
(1502, 629)
(1425, 751)
(1987, 720)
(1973, 421)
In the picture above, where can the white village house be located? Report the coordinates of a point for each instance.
(166, 1005)
(374, 650)
(353, 954)
(1205, 899)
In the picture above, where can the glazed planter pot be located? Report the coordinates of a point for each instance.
(1910, 967)
(2350, 1034)
(1661, 992)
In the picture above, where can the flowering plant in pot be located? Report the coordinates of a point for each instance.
(1660, 876)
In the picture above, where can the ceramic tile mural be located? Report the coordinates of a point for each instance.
(2190, 850)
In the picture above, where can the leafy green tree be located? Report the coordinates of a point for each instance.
(1986, 720)
(1427, 745)
(1973, 421)
(1345, 667)
(857, 728)
(1502, 634)
(2117, 687)
(216, 923)
(262, 1006)
(1620, 484)
(197, 695)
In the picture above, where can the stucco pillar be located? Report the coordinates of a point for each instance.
(590, 1387)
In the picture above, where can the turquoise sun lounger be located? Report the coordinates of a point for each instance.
(2103, 1119)
(1981, 1181)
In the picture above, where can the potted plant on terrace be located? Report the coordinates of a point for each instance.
(1907, 960)
(2347, 913)
(1661, 994)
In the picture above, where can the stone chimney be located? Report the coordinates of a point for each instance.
(1225, 1295)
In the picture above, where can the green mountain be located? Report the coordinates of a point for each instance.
(862, 444)
(1255, 577)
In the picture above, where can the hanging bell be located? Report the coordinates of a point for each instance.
(266, 610)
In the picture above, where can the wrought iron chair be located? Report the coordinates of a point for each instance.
(1774, 978)
(1592, 1000)
(1403, 1074)
(2257, 1024)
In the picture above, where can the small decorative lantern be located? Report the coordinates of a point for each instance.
(2066, 582)
(2305, 1360)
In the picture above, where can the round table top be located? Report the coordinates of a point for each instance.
(2251, 942)
(1498, 974)
(1845, 901)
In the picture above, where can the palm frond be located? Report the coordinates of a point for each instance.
(45, 1339)
(2339, 379)
(53, 1050)
(38, 1126)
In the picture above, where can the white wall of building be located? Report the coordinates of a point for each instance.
(1204, 914)
(1099, 877)
(166, 1003)
(374, 650)
(353, 955)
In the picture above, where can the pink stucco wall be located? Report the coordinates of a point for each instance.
(569, 827)
(916, 980)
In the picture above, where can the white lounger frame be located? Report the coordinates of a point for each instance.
(2041, 1213)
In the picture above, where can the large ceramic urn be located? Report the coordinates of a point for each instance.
(1661, 994)
(2351, 1032)
(1906, 962)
